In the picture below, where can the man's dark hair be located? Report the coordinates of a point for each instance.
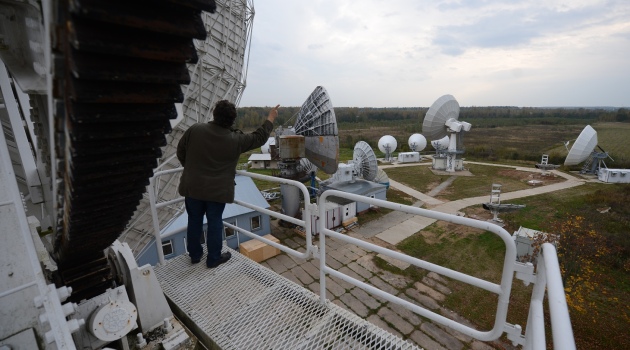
(224, 113)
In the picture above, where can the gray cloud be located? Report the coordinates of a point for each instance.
(511, 28)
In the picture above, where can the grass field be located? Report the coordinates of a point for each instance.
(522, 142)
(606, 324)
(422, 179)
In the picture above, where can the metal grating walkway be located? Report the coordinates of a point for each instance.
(243, 305)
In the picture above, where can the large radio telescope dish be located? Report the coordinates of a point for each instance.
(387, 144)
(365, 163)
(317, 123)
(582, 147)
(443, 109)
(417, 142)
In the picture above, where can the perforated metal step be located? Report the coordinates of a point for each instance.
(243, 305)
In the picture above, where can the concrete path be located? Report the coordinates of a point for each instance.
(395, 234)
(415, 194)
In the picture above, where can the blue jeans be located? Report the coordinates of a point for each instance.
(213, 211)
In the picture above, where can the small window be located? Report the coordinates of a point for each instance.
(256, 223)
(229, 232)
(167, 247)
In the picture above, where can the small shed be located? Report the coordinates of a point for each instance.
(262, 161)
(524, 238)
(363, 188)
(408, 157)
(174, 234)
(614, 175)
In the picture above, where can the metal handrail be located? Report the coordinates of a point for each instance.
(503, 290)
(309, 209)
(549, 276)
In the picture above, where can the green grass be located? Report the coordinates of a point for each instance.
(419, 178)
(471, 251)
(422, 179)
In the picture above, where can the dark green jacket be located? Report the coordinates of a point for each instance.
(209, 154)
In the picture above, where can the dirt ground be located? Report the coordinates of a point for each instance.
(526, 176)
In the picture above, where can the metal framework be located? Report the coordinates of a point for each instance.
(244, 303)
(219, 74)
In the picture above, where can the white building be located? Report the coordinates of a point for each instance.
(262, 161)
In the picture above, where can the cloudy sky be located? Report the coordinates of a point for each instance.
(404, 53)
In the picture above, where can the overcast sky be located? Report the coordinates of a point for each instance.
(407, 53)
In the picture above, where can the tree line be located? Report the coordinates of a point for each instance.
(249, 117)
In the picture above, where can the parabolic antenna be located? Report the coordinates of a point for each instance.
(317, 123)
(441, 143)
(382, 178)
(443, 109)
(417, 142)
(364, 159)
(387, 144)
(266, 148)
(582, 147)
(306, 166)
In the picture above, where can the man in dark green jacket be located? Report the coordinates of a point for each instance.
(209, 153)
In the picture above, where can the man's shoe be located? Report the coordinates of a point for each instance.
(224, 258)
(195, 260)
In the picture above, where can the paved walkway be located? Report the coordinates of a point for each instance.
(429, 292)
(395, 234)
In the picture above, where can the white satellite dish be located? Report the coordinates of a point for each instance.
(266, 148)
(582, 147)
(387, 145)
(443, 109)
(317, 123)
(583, 150)
(417, 142)
(440, 144)
(364, 160)
(382, 178)
(442, 120)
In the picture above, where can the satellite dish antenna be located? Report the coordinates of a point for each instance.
(266, 148)
(417, 142)
(440, 144)
(583, 150)
(442, 120)
(316, 121)
(315, 137)
(387, 145)
(364, 159)
(382, 178)
(306, 166)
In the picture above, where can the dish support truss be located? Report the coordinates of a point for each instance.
(220, 74)
(243, 303)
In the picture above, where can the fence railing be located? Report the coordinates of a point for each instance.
(308, 208)
(547, 277)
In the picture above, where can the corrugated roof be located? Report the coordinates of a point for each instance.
(245, 190)
(360, 187)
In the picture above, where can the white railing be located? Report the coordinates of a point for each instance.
(502, 290)
(547, 277)
(548, 271)
(308, 208)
